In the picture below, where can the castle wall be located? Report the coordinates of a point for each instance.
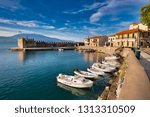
(31, 43)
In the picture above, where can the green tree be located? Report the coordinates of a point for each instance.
(145, 15)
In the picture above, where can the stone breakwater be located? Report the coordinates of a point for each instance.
(131, 75)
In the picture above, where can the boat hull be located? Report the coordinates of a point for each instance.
(86, 76)
(97, 73)
(74, 85)
(107, 70)
(74, 81)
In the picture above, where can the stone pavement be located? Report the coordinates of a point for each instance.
(145, 61)
(136, 84)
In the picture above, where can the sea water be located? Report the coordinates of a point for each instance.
(32, 75)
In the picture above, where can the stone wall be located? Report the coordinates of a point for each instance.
(107, 50)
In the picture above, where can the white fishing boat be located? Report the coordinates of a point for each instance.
(85, 74)
(104, 68)
(111, 58)
(96, 71)
(74, 81)
(112, 63)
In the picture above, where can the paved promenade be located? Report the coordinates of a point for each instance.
(136, 85)
(145, 61)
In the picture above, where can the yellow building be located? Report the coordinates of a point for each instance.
(138, 35)
(96, 41)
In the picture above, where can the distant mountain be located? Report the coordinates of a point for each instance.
(36, 37)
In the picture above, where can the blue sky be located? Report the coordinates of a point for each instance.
(68, 19)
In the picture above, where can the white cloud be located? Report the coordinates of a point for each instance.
(11, 4)
(48, 27)
(125, 23)
(27, 23)
(20, 23)
(95, 17)
(30, 24)
(6, 21)
(64, 28)
(6, 31)
(115, 7)
(93, 6)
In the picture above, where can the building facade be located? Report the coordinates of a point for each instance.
(138, 35)
(112, 40)
(96, 41)
(140, 26)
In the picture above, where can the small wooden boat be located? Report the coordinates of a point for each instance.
(74, 81)
(85, 74)
(96, 71)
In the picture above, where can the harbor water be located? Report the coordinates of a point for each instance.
(32, 75)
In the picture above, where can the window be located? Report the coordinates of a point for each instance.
(143, 34)
(141, 44)
(132, 44)
(128, 36)
(127, 43)
(122, 43)
(133, 35)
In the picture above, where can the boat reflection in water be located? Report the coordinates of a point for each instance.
(91, 93)
(77, 91)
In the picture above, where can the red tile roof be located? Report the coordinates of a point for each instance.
(134, 24)
(129, 31)
(112, 35)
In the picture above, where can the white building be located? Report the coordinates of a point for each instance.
(112, 40)
(141, 26)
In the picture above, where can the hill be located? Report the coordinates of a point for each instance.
(33, 36)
